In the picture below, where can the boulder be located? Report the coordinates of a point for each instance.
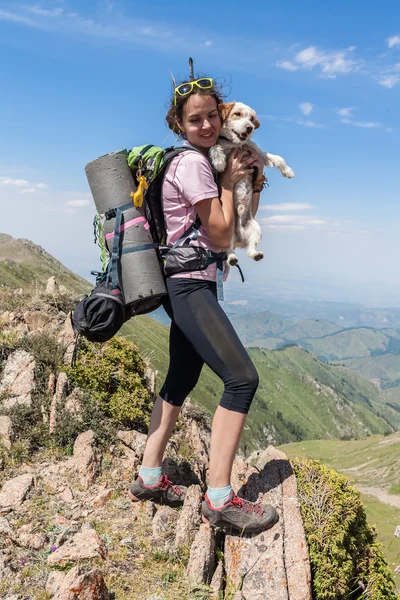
(84, 544)
(134, 440)
(5, 431)
(18, 380)
(189, 518)
(14, 492)
(52, 286)
(164, 523)
(87, 458)
(36, 320)
(58, 400)
(80, 584)
(202, 560)
(68, 339)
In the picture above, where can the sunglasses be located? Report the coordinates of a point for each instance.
(205, 83)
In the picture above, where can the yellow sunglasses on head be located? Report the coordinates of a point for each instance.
(205, 83)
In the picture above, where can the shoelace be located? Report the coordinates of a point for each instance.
(165, 483)
(247, 506)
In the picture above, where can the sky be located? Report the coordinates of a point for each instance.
(81, 79)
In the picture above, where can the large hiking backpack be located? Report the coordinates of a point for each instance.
(140, 285)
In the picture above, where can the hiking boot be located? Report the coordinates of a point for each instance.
(164, 492)
(240, 514)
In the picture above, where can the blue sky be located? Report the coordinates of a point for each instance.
(80, 79)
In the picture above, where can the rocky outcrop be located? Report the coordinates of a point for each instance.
(14, 492)
(202, 556)
(6, 431)
(87, 458)
(18, 381)
(77, 584)
(85, 544)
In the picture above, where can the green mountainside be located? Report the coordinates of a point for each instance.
(24, 264)
(299, 397)
(348, 343)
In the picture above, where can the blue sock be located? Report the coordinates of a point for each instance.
(150, 476)
(219, 496)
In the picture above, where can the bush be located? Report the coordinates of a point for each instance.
(113, 374)
(346, 560)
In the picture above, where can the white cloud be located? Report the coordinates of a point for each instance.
(285, 227)
(239, 302)
(329, 64)
(287, 65)
(345, 112)
(70, 211)
(292, 220)
(27, 187)
(306, 107)
(79, 203)
(208, 43)
(302, 123)
(289, 206)
(15, 18)
(393, 41)
(389, 81)
(42, 12)
(365, 125)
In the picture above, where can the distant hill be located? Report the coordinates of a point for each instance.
(259, 325)
(299, 397)
(356, 342)
(24, 264)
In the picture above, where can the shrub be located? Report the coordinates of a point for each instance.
(346, 560)
(113, 374)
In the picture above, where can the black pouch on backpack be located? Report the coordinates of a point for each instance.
(184, 258)
(99, 316)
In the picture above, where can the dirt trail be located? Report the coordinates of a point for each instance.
(381, 494)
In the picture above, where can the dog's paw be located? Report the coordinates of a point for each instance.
(256, 255)
(287, 172)
(232, 260)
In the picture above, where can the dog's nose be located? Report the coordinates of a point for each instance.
(249, 129)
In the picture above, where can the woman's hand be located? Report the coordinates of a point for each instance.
(239, 165)
(257, 161)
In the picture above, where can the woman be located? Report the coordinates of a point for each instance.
(200, 331)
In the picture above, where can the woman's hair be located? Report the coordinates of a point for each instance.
(175, 111)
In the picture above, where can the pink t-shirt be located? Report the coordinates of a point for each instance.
(188, 180)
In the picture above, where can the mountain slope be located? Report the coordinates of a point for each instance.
(23, 264)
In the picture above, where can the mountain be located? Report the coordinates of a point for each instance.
(259, 325)
(349, 343)
(24, 264)
(299, 396)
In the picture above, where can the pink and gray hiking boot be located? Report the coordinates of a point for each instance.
(240, 514)
(163, 492)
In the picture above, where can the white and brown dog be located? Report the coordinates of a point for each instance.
(238, 124)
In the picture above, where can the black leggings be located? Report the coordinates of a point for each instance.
(202, 333)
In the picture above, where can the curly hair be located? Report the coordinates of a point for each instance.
(175, 111)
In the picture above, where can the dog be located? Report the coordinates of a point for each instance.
(239, 122)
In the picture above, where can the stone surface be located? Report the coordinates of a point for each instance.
(68, 339)
(201, 564)
(6, 431)
(217, 580)
(58, 400)
(102, 498)
(36, 320)
(18, 379)
(52, 286)
(5, 527)
(189, 518)
(164, 523)
(73, 402)
(54, 582)
(14, 492)
(397, 531)
(79, 584)
(134, 440)
(87, 458)
(272, 564)
(84, 544)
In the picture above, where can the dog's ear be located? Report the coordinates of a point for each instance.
(225, 109)
(256, 122)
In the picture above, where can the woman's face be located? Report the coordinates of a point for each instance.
(201, 121)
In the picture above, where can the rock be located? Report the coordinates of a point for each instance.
(150, 377)
(54, 582)
(102, 498)
(6, 431)
(202, 556)
(150, 509)
(52, 286)
(217, 581)
(68, 339)
(27, 539)
(87, 458)
(18, 379)
(14, 492)
(79, 584)
(51, 385)
(397, 570)
(84, 544)
(164, 523)
(134, 440)
(397, 531)
(73, 402)
(5, 527)
(189, 518)
(58, 400)
(36, 320)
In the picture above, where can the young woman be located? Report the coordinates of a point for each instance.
(200, 331)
